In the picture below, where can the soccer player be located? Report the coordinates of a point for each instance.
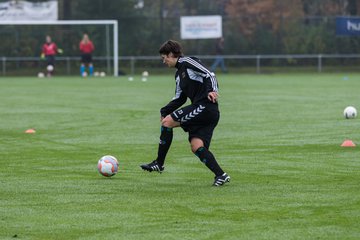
(199, 119)
(86, 48)
(49, 50)
(219, 60)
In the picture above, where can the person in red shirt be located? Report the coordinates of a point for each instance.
(49, 50)
(86, 48)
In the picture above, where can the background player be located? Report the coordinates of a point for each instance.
(219, 60)
(86, 48)
(199, 119)
(49, 50)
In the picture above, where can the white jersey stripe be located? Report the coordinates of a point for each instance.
(208, 73)
(202, 68)
(178, 90)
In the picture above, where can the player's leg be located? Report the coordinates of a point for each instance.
(91, 65)
(200, 123)
(82, 65)
(166, 136)
(215, 64)
(91, 69)
(82, 69)
(50, 65)
(222, 65)
(206, 157)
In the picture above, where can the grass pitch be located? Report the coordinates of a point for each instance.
(279, 139)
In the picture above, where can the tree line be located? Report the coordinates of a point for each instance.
(249, 26)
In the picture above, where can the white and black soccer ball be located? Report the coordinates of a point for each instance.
(145, 74)
(41, 75)
(108, 166)
(350, 112)
(84, 74)
(50, 68)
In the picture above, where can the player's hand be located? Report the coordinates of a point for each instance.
(42, 56)
(213, 96)
(60, 51)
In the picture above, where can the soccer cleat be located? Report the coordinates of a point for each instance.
(221, 180)
(153, 166)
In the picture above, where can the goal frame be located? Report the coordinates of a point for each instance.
(114, 23)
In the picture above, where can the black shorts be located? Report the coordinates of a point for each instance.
(199, 120)
(86, 58)
(50, 60)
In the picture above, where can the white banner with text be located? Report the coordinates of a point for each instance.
(18, 10)
(201, 27)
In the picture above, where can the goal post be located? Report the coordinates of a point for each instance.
(113, 23)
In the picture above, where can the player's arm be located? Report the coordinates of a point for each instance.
(58, 50)
(178, 100)
(213, 97)
(42, 55)
(209, 78)
(174, 104)
(212, 87)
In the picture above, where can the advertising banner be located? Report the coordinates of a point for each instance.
(201, 27)
(347, 26)
(18, 10)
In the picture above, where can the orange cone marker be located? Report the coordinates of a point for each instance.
(31, 130)
(348, 143)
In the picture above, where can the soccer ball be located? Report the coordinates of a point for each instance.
(145, 74)
(41, 75)
(350, 112)
(84, 74)
(50, 68)
(96, 74)
(102, 74)
(108, 166)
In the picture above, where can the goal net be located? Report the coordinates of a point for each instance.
(21, 44)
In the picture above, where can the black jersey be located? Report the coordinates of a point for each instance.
(193, 81)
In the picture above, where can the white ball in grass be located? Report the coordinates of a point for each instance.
(41, 75)
(50, 68)
(350, 112)
(145, 73)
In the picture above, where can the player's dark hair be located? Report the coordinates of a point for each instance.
(171, 46)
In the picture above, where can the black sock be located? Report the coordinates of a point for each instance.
(209, 160)
(166, 137)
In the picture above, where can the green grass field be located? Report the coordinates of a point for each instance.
(279, 139)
